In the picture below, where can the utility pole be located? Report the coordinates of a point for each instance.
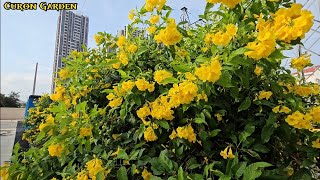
(35, 79)
(185, 17)
(302, 72)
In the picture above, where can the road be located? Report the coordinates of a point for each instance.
(7, 136)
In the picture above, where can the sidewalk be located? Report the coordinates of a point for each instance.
(7, 136)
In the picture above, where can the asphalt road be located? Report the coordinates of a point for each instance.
(7, 136)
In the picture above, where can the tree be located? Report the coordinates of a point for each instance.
(10, 101)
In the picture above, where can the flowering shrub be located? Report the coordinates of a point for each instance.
(200, 103)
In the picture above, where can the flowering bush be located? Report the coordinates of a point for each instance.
(200, 103)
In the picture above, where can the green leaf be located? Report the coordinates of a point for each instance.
(142, 50)
(155, 178)
(112, 61)
(245, 104)
(165, 161)
(214, 133)
(100, 175)
(225, 79)
(277, 54)
(261, 148)
(200, 121)
(41, 135)
(241, 169)
(122, 173)
(163, 124)
(122, 155)
(252, 171)
(237, 52)
(138, 134)
(170, 80)
(180, 174)
(248, 130)
(207, 9)
(181, 68)
(122, 73)
(269, 128)
(201, 59)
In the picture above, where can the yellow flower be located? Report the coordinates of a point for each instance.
(128, 85)
(82, 176)
(209, 72)
(173, 135)
(190, 76)
(222, 38)
(115, 103)
(146, 175)
(55, 150)
(258, 70)
(116, 152)
(53, 178)
(170, 35)
(264, 95)
(131, 15)
(229, 3)
(75, 115)
(63, 73)
(151, 4)
(285, 109)
(98, 38)
(276, 109)
(154, 19)
(143, 112)
(94, 166)
(149, 134)
(299, 120)
(315, 113)
(116, 136)
(4, 172)
(121, 41)
(218, 116)
(73, 123)
(151, 29)
(316, 143)
(85, 132)
(142, 84)
(227, 154)
(263, 46)
(187, 133)
(161, 75)
(301, 62)
(132, 48)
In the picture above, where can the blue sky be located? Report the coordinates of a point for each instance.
(28, 37)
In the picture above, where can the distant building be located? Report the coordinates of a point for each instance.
(311, 74)
(136, 33)
(72, 33)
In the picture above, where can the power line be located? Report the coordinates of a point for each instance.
(311, 51)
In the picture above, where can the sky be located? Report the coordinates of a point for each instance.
(28, 37)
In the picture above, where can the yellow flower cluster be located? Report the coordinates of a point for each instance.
(185, 132)
(203, 96)
(127, 85)
(161, 109)
(299, 120)
(85, 132)
(264, 95)
(315, 113)
(144, 85)
(151, 4)
(94, 166)
(263, 46)
(123, 58)
(170, 35)
(98, 38)
(300, 63)
(146, 175)
(283, 109)
(121, 41)
(55, 150)
(4, 171)
(222, 38)
(49, 121)
(149, 134)
(131, 15)
(151, 29)
(292, 23)
(258, 70)
(209, 72)
(218, 116)
(82, 176)
(227, 154)
(229, 3)
(59, 94)
(184, 93)
(305, 91)
(161, 75)
(63, 73)
(316, 143)
(154, 19)
(132, 48)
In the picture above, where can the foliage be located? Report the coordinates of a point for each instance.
(205, 102)
(12, 100)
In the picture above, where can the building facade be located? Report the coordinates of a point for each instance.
(311, 74)
(72, 33)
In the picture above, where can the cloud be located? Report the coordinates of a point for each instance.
(23, 83)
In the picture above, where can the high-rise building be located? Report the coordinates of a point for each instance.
(72, 33)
